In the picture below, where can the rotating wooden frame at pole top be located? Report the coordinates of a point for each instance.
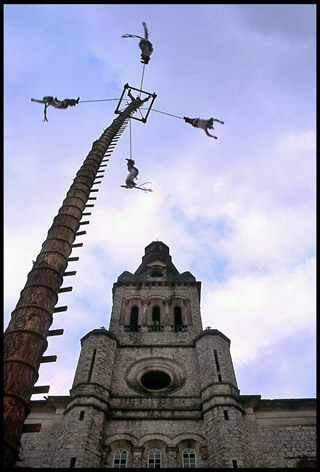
(143, 96)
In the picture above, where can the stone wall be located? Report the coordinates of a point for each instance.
(276, 442)
(38, 448)
(282, 446)
(163, 294)
(281, 432)
(185, 357)
(167, 435)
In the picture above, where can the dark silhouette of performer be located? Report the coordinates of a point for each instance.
(204, 124)
(145, 45)
(133, 172)
(54, 102)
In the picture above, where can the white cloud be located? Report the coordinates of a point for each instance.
(255, 312)
(260, 241)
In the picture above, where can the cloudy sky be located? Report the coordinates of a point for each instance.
(237, 212)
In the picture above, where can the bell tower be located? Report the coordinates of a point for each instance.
(155, 390)
(156, 303)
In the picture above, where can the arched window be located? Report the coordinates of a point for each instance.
(156, 272)
(307, 464)
(189, 458)
(154, 458)
(177, 316)
(156, 315)
(120, 458)
(134, 316)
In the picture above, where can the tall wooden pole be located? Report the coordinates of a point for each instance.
(25, 339)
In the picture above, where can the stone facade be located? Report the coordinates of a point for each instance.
(156, 390)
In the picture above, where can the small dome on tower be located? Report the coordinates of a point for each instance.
(157, 253)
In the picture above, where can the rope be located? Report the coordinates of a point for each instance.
(165, 113)
(154, 110)
(99, 100)
(142, 77)
(140, 113)
(130, 141)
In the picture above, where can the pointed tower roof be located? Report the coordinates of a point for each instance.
(156, 252)
(156, 255)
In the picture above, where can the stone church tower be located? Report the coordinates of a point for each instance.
(155, 381)
(158, 391)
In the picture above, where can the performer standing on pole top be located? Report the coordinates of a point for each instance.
(145, 45)
(204, 124)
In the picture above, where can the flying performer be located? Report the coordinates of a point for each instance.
(204, 124)
(54, 102)
(144, 44)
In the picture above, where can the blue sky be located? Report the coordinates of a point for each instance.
(237, 212)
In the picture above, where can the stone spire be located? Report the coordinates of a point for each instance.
(156, 262)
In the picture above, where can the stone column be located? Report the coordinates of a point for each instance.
(227, 442)
(82, 437)
(137, 457)
(172, 456)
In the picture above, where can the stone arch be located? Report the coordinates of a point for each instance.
(118, 442)
(189, 436)
(128, 437)
(155, 441)
(127, 304)
(306, 463)
(156, 270)
(182, 302)
(179, 298)
(155, 436)
(155, 301)
(134, 296)
(194, 442)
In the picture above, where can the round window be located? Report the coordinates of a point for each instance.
(155, 380)
(156, 376)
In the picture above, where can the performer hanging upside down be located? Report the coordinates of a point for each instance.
(54, 102)
(204, 124)
(133, 172)
(144, 44)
